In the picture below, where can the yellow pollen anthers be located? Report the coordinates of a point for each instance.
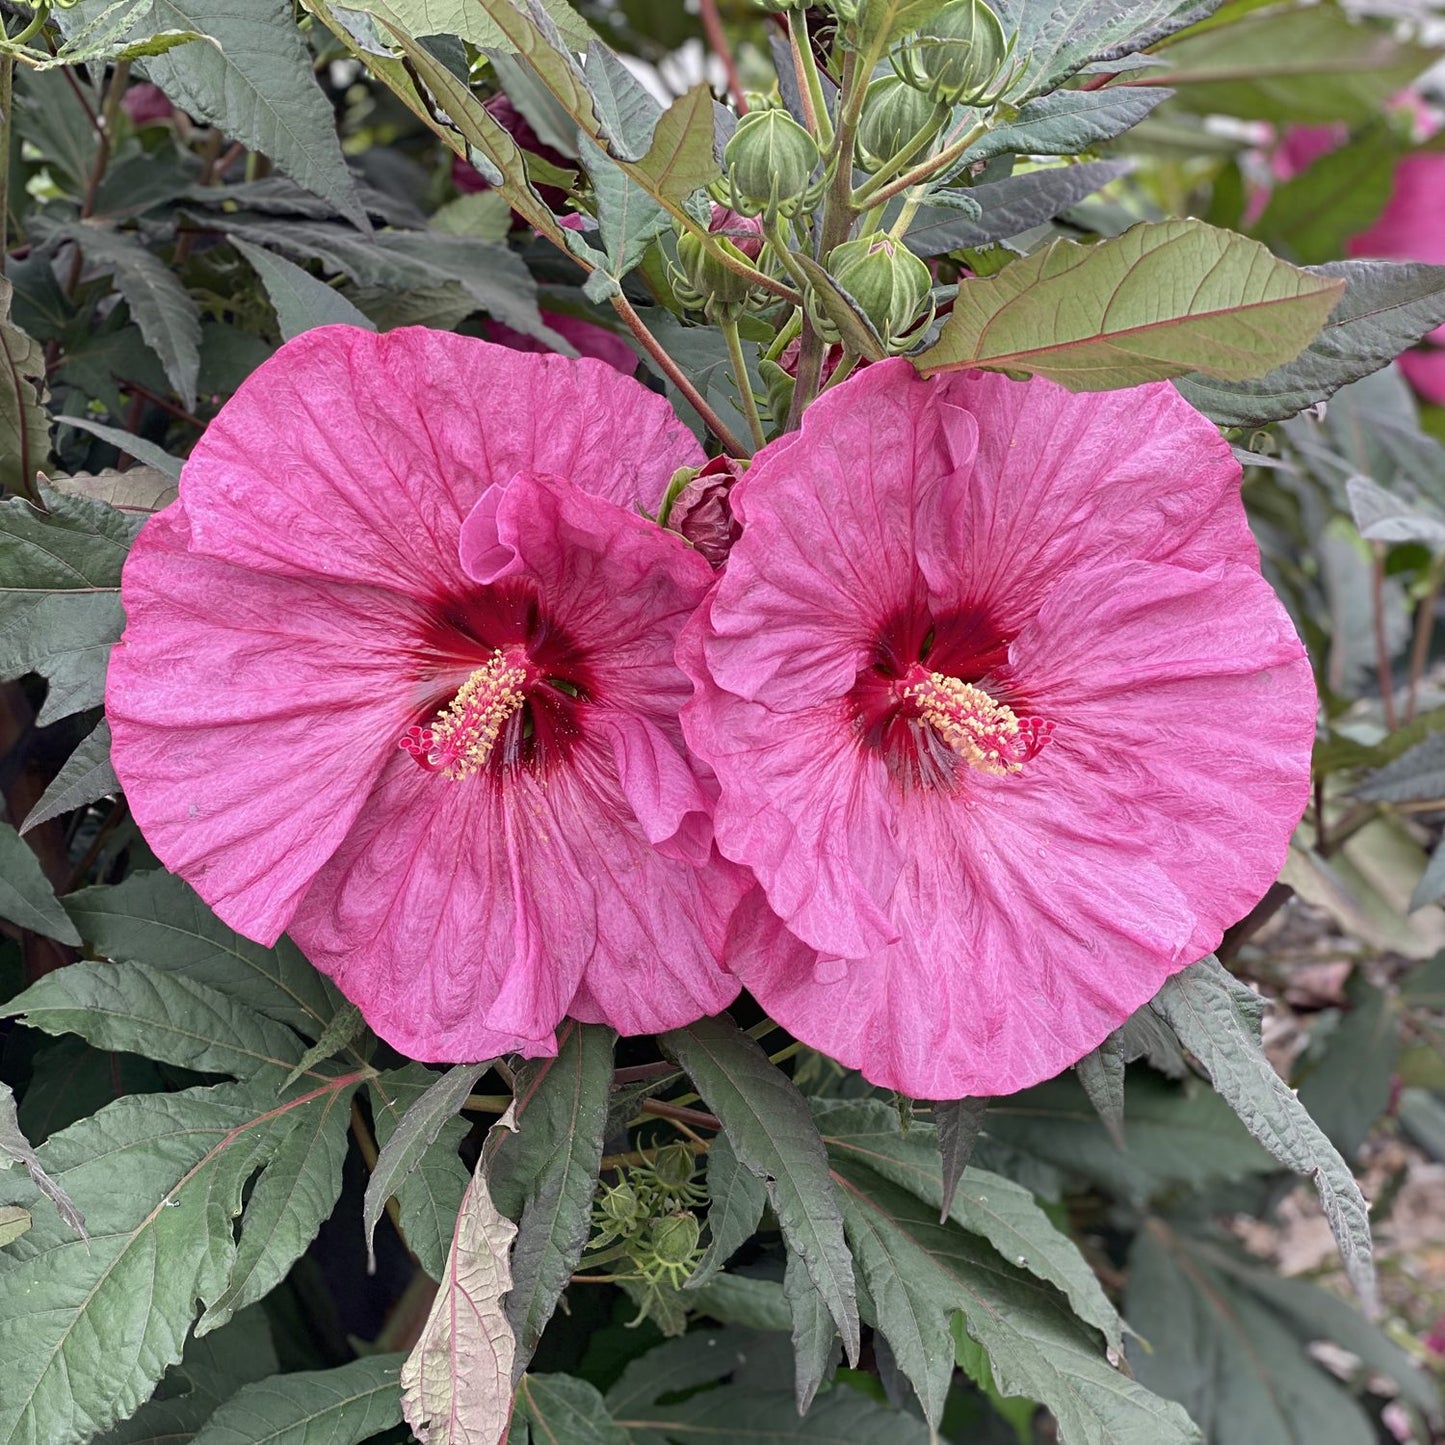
(985, 733)
(461, 737)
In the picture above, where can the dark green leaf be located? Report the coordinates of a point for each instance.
(168, 317)
(628, 219)
(169, 1017)
(1294, 66)
(563, 1410)
(544, 1175)
(1422, 1116)
(24, 424)
(1347, 1087)
(1386, 307)
(1161, 300)
(1101, 1072)
(740, 1299)
(300, 300)
(60, 595)
(406, 1143)
(256, 83)
(288, 1206)
(343, 1406)
(773, 1134)
(959, 1122)
(1203, 1005)
(1416, 775)
(815, 1337)
(736, 1204)
(85, 776)
(15, 1149)
(138, 447)
(159, 1177)
(841, 1416)
(157, 919)
(1065, 123)
(26, 897)
(430, 1194)
(919, 1272)
(348, 1027)
(55, 117)
(1010, 206)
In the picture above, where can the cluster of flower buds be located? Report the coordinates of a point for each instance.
(959, 57)
(702, 281)
(886, 283)
(773, 166)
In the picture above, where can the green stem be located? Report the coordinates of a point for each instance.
(790, 328)
(815, 104)
(881, 177)
(729, 330)
(7, 79)
(905, 216)
(844, 369)
(875, 195)
(32, 28)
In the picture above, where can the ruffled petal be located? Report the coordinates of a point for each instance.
(250, 716)
(356, 456)
(463, 917)
(1036, 912)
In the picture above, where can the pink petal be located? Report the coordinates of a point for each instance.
(356, 456)
(1424, 368)
(251, 715)
(1412, 225)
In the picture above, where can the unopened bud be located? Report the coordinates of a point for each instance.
(893, 114)
(700, 510)
(674, 1239)
(770, 163)
(704, 282)
(957, 56)
(887, 283)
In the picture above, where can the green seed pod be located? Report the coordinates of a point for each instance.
(674, 1167)
(893, 113)
(674, 1238)
(888, 284)
(619, 1206)
(770, 163)
(957, 57)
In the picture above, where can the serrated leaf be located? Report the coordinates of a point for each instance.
(168, 317)
(300, 300)
(346, 1028)
(1161, 300)
(628, 219)
(773, 1135)
(1240, 1372)
(430, 1196)
(457, 1381)
(681, 158)
(1010, 206)
(1065, 123)
(1300, 66)
(344, 1406)
(1203, 1006)
(544, 1175)
(407, 1141)
(1386, 307)
(24, 422)
(984, 1203)
(737, 1198)
(468, 21)
(919, 1272)
(26, 897)
(85, 776)
(134, 1008)
(256, 83)
(561, 1408)
(1414, 776)
(60, 606)
(139, 489)
(815, 1336)
(287, 1208)
(1101, 1073)
(138, 447)
(15, 1149)
(159, 1177)
(841, 1416)
(157, 919)
(959, 1122)
(740, 1299)
(1057, 38)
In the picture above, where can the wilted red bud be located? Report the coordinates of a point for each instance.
(146, 103)
(745, 232)
(789, 359)
(703, 514)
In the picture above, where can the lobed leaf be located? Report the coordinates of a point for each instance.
(138, 447)
(1161, 300)
(773, 1135)
(344, 1406)
(545, 1173)
(300, 300)
(15, 1149)
(562, 1408)
(1101, 1074)
(26, 897)
(409, 1137)
(1065, 123)
(1215, 1018)
(682, 157)
(1416, 775)
(85, 776)
(736, 1202)
(959, 1123)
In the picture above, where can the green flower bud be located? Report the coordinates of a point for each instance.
(887, 283)
(619, 1205)
(674, 1167)
(893, 113)
(702, 282)
(957, 57)
(770, 163)
(674, 1238)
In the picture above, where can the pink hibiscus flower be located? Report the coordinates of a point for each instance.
(1006, 721)
(398, 678)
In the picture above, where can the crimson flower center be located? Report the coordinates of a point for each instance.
(460, 739)
(977, 728)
